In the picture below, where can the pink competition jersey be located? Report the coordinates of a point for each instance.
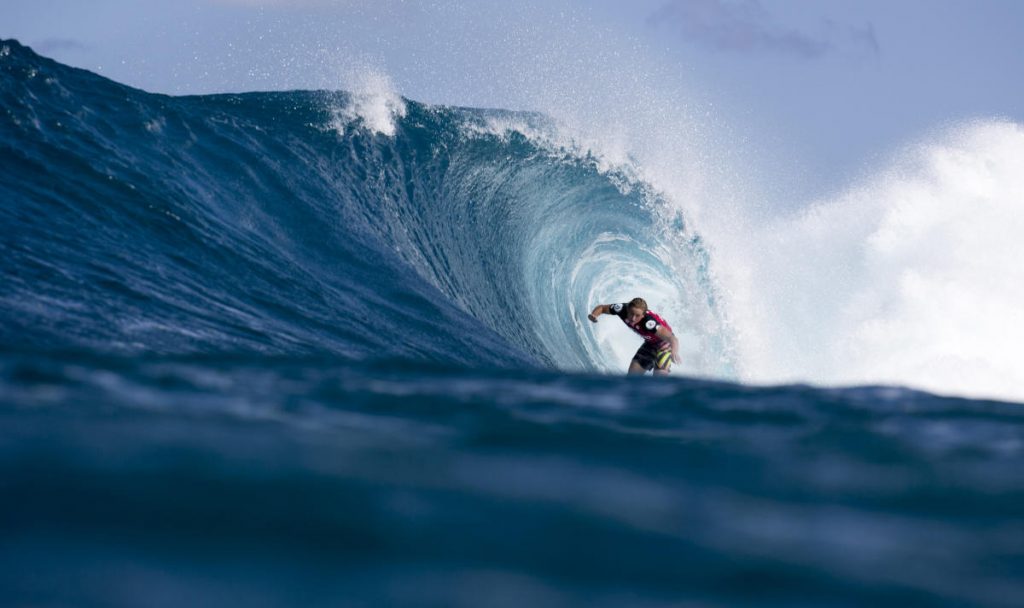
(648, 325)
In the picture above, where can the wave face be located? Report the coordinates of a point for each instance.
(314, 348)
(291, 223)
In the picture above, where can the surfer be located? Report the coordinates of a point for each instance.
(660, 346)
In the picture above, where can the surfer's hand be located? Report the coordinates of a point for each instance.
(675, 357)
(592, 318)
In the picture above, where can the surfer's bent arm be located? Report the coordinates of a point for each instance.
(600, 309)
(666, 334)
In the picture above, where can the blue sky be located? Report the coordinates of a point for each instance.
(825, 88)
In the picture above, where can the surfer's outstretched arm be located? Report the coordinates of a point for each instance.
(600, 309)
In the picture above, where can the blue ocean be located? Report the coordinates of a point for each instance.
(274, 349)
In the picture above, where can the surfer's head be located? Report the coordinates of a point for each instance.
(637, 308)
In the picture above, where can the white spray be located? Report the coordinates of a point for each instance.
(913, 278)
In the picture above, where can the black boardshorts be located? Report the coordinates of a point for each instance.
(654, 356)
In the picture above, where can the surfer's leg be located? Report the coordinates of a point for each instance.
(642, 361)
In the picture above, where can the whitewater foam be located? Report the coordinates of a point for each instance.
(913, 277)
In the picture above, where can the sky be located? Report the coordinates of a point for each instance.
(818, 91)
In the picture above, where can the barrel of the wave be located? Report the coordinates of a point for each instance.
(660, 347)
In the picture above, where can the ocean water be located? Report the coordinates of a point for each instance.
(328, 348)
